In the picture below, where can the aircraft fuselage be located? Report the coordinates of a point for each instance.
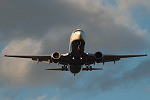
(76, 49)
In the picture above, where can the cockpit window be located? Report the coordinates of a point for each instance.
(77, 30)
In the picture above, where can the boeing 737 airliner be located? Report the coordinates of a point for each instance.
(74, 60)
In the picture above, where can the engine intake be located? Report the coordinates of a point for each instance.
(55, 57)
(98, 57)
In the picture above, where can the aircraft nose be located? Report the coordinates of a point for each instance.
(80, 35)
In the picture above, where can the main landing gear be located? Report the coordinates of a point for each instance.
(88, 68)
(64, 68)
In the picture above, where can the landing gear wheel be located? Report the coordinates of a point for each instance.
(90, 68)
(64, 68)
(87, 68)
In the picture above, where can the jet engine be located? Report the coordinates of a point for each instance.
(98, 57)
(55, 57)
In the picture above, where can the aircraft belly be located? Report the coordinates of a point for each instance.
(75, 68)
(77, 52)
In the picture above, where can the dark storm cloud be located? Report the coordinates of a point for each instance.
(25, 18)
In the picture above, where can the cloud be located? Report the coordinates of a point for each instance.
(44, 97)
(36, 19)
(110, 78)
(42, 27)
(25, 18)
(128, 4)
(41, 97)
(8, 94)
(22, 72)
(55, 98)
(127, 78)
(147, 88)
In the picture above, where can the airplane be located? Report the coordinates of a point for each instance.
(76, 58)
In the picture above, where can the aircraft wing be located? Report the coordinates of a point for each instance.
(90, 58)
(34, 58)
(48, 59)
(108, 58)
(58, 69)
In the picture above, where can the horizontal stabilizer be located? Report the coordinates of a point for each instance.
(59, 69)
(85, 69)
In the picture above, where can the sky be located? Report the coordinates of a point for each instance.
(41, 27)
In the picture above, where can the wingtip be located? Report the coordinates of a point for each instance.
(145, 54)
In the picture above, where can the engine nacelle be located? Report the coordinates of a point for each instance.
(98, 57)
(55, 57)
